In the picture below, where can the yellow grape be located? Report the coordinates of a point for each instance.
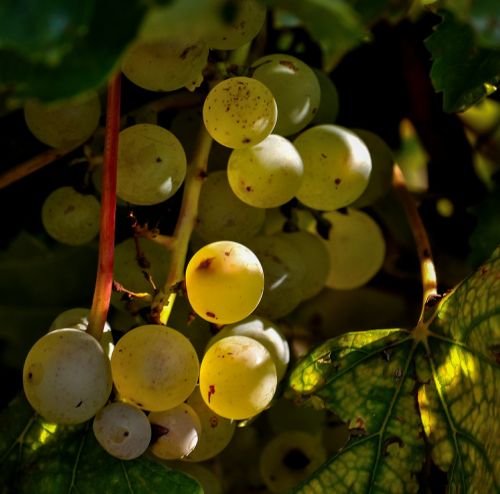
(239, 112)
(224, 282)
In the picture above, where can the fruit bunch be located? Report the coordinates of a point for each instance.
(277, 219)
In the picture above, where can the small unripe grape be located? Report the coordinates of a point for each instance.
(122, 430)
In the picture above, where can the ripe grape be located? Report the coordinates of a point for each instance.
(70, 217)
(249, 18)
(329, 104)
(154, 367)
(224, 282)
(267, 174)
(315, 257)
(151, 164)
(295, 87)
(381, 174)
(337, 167)
(290, 458)
(216, 431)
(283, 275)
(239, 112)
(123, 430)
(237, 377)
(222, 215)
(63, 123)
(67, 376)
(133, 258)
(166, 63)
(357, 249)
(265, 332)
(175, 432)
(78, 318)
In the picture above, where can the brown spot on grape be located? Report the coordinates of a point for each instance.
(211, 391)
(289, 65)
(214, 421)
(205, 264)
(158, 160)
(248, 188)
(185, 52)
(79, 404)
(323, 155)
(211, 314)
(245, 140)
(337, 181)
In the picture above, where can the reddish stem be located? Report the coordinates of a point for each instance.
(104, 281)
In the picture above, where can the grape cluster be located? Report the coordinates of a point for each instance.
(251, 264)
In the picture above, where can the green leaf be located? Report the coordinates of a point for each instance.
(42, 458)
(83, 64)
(334, 24)
(371, 378)
(461, 70)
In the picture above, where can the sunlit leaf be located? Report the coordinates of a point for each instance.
(42, 458)
(371, 379)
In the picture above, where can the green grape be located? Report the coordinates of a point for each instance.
(70, 217)
(175, 432)
(133, 258)
(123, 430)
(266, 175)
(224, 282)
(166, 63)
(237, 377)
(382, 165)
(222, 215)
(329, 104)
(265, 332)
(337, 167)
(248, 21)
(216, 431)
(289, 458)
(357, 249)
(151, 164)
(295, 87)
(315, 257)
(67, 376)
(285, 415)
(283, 275)
(78, 318)
(154, 367)
(63, 123)
(239, 112)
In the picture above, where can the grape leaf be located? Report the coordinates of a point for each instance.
(482, 15)
(372, 379)
(36, 456)
(334, 24)
(77, 65)
(461, 70)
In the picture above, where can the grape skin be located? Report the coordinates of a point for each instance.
(224, 282)
(154, 367)
(222, 215)
(176, 432)
(166, 64)
(329, 104)
(247, 23)
(239, 112)
(70, 217)
(67, 376)
(337, 167)
(266, 175)
(216, 431)
(151, 164)
(265, 332)
(295, 87)
(122, 430)
(237, 377)
(357, 249)
(63, 123)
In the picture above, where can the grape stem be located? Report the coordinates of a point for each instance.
(427, 269)
(104, 280)
(196, 173)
